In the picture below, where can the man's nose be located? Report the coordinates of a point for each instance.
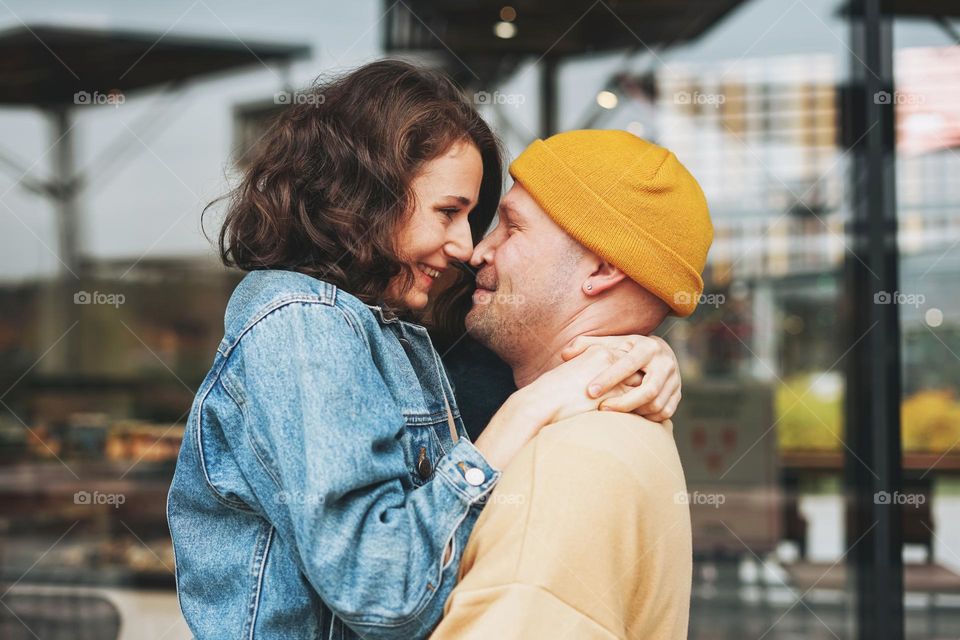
(459, 245)
(483, 253)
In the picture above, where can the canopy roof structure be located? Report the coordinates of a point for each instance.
(58, 69)
(471, 33)
(482, 42)
(47, 65)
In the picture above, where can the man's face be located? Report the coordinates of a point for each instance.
(528, 275)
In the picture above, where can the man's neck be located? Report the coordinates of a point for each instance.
(546, 354)
(542, 360)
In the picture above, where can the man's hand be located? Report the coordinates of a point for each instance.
(647, 366)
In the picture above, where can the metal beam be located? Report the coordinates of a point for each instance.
(548, 96)
(872, 404)
(65, 189)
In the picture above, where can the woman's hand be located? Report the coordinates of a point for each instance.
(647, 368)
(562, 392)
(556, 395)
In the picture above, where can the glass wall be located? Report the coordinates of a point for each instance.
(755, 108)
(761, 430)
(927, 110)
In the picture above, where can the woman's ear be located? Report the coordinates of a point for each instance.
(604, 277)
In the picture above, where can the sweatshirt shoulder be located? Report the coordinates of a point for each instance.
(625, 437)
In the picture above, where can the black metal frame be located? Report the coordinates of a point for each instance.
(872, 404)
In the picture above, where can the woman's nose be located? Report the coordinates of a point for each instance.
(459, 245)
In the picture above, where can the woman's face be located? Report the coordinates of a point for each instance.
(437, 232)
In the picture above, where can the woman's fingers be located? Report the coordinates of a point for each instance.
(655, 408)
(633, 398)
(640, 362)
(633, 381)
(581, 343)
(660, 409)
(627, 365)
(644, 380)
(665, 360)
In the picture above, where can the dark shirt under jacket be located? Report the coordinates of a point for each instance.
(481, 380)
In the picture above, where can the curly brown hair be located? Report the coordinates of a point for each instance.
(330, 182)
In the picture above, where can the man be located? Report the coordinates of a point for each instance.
(587, 534)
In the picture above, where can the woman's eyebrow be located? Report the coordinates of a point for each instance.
(464, 200)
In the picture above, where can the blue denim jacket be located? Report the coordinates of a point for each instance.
(318, 484)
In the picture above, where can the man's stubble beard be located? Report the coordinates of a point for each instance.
(512, 329)
(506, 328)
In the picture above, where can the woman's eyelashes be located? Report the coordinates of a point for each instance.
(451, 212)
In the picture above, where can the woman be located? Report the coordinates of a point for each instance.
(326, 486)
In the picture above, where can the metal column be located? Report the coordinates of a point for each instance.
(548, 96)
(872, 407)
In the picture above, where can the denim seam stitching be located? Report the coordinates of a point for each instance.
(274, 305)
(355, 323)
(262, 560)
(176, 568)
(429, 419)
(247, 432)
(239, 506)
(250, 439)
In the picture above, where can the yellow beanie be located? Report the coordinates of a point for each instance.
(627, 200)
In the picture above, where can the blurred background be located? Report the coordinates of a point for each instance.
(820, 420)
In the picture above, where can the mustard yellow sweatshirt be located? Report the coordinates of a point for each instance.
(587, 536)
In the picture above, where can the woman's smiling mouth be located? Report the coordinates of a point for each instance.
(428, 273)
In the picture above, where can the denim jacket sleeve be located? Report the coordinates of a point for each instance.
(324, 428)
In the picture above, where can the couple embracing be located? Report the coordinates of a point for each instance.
(327, 486)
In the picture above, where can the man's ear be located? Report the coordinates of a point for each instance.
(605, 276)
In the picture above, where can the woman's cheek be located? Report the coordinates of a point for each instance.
(433, 239)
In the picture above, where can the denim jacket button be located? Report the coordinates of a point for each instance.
(475, 477)
(423, 464)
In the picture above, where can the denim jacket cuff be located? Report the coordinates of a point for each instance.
(465, 468)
